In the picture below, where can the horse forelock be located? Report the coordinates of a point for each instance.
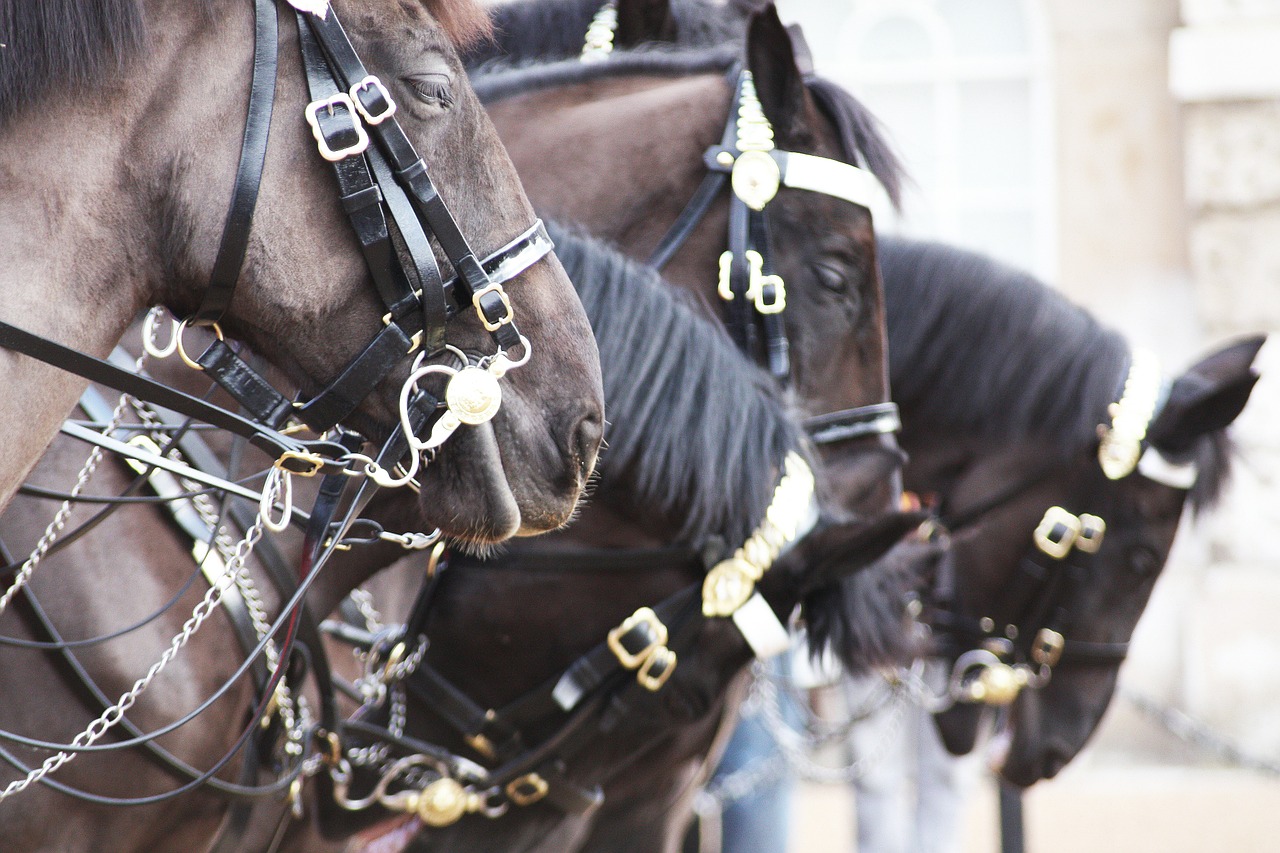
(52, 43)
(694, 429)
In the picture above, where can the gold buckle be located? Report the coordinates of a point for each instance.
(663, 657)
(313, 459)
(312, 113)
(1047, 648)
(642, 616)
(1054, 517)
(527, 790)
(371, 118)
(726, 269)
(755, 290)
(1092, 529)
(506, 303)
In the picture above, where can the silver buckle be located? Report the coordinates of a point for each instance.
(372, 118)
(312, 113)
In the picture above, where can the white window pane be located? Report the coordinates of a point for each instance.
(895, 39)
(986, 27)
(906, 112)
(995, 134)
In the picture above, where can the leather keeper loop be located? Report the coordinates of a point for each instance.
(367, 197)
(245, 385)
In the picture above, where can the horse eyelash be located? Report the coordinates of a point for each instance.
(433, 91)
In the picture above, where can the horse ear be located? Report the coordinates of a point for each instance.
(779, 80)
(644, 21)
(1207, 397)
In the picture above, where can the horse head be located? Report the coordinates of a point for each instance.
(140, 219)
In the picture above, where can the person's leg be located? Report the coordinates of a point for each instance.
(882, 792)
(758, 821)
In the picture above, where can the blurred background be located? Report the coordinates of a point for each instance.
(1128, 152)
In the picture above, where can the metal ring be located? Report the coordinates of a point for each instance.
(149, 333)
(182, 351)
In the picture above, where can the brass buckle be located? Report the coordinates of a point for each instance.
(726, 269)
(1047, 648)
(314, 460)
(1055, 517)
(662, 657)
(1092, 529)
(527, 790)
(506, 303)
(643, 616)
(755, 290)
(371, 118)
(312, 113)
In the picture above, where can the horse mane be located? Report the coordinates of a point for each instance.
(50, 43)
(62, 42)
(980, 347)
(496, 81)
(528, 29)
(694, 429)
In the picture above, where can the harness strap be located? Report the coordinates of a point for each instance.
(303, 457)
(253, 154)
(847, 424)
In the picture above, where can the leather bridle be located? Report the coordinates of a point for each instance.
(1026, 631)
(395, 210)
(747, 162)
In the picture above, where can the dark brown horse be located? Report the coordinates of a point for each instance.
(619, 147)
(678, 396)
(1005, 388)
(121, 124)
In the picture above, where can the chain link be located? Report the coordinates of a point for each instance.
(1198, 733)
(115, 713)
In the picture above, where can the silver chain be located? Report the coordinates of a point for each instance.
(115, 713)
(1198, 733)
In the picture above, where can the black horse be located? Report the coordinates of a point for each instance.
(1006, 388)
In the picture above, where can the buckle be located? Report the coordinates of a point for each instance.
(312, 113)
(1092, 529)
(373, 82)
(755, 290)
(494, 325)
(314, 460)
(724, 288)
(664, 661)
(527, 790)
(1047, 648)
(657, 636)
(1057, 532)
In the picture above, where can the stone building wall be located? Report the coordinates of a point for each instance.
(1210, 642)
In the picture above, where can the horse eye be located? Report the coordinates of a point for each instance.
(432, 89)
(830, 275)
(1144, 562)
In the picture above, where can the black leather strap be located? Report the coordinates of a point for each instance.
(834, 427)
(264, 403)
(104, 373)
(253, 153)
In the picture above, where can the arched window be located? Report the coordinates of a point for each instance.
(964, 88)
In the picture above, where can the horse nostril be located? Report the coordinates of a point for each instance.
(586, 439)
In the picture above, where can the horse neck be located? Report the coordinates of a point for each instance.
(79, 238)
